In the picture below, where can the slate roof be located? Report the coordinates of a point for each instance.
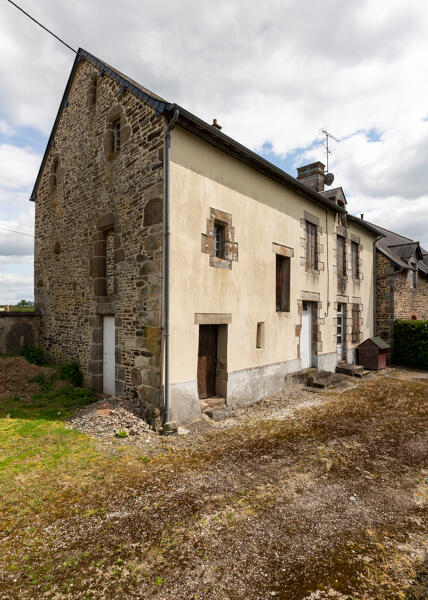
(401, 249)
(197, 126)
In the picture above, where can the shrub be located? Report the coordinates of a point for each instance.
(44, 382)
(34, 355)
(72, 373)
(411, 343)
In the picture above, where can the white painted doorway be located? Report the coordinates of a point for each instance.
(306, 336)
(108, 356)
(341, 332)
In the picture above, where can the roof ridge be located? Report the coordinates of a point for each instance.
(389, 230)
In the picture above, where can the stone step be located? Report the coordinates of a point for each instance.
(352, 370)
(213, 403)
(219, 414)
(362, 373)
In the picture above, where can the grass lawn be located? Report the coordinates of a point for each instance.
(330, 503)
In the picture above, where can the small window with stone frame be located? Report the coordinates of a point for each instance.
(341, 256)
(311, 246)
(116, 135)
(219, 239)
(355, 322)
(413, 274)
(355, 254)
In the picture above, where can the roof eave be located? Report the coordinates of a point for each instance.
(210, 134)
(366, 226)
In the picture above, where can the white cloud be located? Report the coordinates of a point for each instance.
(6, 129)
(18, 166)
(271, 73)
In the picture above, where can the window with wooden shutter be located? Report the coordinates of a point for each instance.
(282, 283)
(355, 260)
(341, 256)
(311, 246)
(355, 322)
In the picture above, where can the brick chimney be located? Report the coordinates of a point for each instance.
(312, 175)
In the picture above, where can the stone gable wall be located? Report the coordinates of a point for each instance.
(395, 299)
(87, 194)
(384, 298)
(410, 301)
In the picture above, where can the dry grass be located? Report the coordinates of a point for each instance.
(332, 500)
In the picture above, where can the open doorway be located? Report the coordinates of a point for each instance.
(212, 361)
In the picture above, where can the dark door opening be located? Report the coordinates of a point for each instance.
(207, 360)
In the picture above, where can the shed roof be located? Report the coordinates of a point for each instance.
(379, 342)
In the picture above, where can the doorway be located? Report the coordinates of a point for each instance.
(341, 332)
(207, 360)
(109, 356)
(306, 336)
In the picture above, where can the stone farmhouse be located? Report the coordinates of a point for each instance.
(172, 262)
(401, 281)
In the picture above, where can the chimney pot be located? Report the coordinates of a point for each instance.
(216, 125)
(362, 216)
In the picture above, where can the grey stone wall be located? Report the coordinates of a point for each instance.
(395, 299)
(99, 196)
(16, 329)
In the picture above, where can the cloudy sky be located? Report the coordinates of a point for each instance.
(272, 73)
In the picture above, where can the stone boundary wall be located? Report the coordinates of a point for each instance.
(18, 328)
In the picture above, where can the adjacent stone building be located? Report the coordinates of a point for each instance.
(401, 281)
(173, 262)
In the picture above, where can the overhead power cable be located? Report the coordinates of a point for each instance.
(15, 231)
(43, 27)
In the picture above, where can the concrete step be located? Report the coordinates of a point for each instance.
(362, 373)
(219, 414)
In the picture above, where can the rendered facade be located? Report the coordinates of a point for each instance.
(141, 206)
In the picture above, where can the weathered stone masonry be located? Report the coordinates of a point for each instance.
(99, 234)
(395, 298)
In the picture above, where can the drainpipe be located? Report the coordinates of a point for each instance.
(375, 282)
(167, 263)
(328, 269)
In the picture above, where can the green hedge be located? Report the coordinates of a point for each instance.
(411, 344)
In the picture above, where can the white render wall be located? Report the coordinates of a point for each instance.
(263, 212)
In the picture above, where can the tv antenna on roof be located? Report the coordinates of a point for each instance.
(326, 144)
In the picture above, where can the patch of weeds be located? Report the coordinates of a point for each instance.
(71, 372)
(158, 581)
(45, 383)
(121, 434)
(145, 459)
(34, 355)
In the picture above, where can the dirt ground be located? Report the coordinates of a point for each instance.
(300, 497)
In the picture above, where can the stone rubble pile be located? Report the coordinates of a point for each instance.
(110, 417)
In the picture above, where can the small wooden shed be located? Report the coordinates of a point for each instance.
(372, 353)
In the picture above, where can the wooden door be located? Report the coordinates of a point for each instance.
(207, 360)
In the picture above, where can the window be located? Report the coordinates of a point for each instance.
(92, 90)
(260, 343)
(109, 238)
(282, 283)
(55, 172)
(219, 239)
(413, 275)
(355, 322)
(355, 260)
(341, 256)
(116, 135)
(311, 246)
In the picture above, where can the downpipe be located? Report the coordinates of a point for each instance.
(167, 262)
(375, 282)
